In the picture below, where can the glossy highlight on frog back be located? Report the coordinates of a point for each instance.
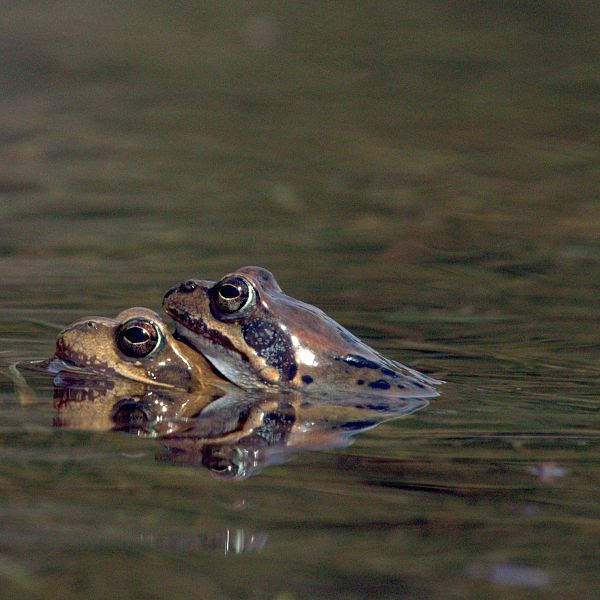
(281, 342)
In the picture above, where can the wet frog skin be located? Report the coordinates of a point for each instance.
(137, 345)
(258, 337)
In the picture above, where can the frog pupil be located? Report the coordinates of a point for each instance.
(136, 335)
(229, 291)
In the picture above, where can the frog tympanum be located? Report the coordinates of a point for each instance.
(258, 337)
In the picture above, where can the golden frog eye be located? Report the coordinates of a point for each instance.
(138, 338)
(233, 295)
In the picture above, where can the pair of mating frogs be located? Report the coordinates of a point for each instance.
(250, 376)
(241, 331)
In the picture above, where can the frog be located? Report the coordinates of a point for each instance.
(138, 346)
(258, 337)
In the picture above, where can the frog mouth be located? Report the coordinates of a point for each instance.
(220, 352)
(71, 385)
(202, 339)
(70, 374)
(60, 364)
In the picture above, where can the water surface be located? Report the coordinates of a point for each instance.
(428, 175)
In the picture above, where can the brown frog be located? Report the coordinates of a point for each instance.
(136, 345)
(258, 337)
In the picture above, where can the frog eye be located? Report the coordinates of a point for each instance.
(132, 415)
(226, 462)
(137, 338)
(233, 295)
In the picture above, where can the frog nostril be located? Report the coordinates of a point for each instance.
(188, 286)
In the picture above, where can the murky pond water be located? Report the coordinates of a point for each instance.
(429, 175)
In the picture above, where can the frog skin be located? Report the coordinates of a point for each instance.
(258, 337)
(137, 345)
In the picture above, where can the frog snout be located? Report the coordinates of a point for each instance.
(65, 342)
(61, 345)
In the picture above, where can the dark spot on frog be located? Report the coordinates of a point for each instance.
(360, 362)
(380, 384)
(376, 407)
(401, 386)
(358, 425)
(291, 372)
(272, 344)
(389, 372)
(418, 384)
(360, 382)
(307, 379)
(347, 336)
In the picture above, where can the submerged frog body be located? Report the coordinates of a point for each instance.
(257, 336)
(136, 345)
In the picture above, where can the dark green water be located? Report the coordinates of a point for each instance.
(428, 174)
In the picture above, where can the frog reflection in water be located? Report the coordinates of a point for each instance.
(234, 436)
(258, 337)
(235, 440)
(136, 345)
